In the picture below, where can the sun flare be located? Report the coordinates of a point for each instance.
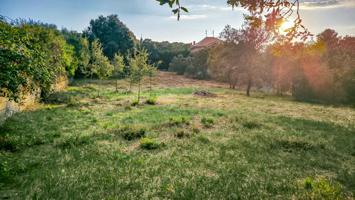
(285, 26)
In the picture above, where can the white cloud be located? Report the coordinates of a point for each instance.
(326, 4)
(208, 7)
(189, 17)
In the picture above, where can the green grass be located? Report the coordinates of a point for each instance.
(80, 146)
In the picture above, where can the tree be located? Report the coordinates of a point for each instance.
(83, 56)
(139, 68)
(164, 52)
(81, 49)
(114, 35)
(119, 67)
(199, 65)
(99, 64)
(238, 60)
(179, 64)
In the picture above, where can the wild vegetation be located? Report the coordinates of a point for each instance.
(124, 130)
(187, 146)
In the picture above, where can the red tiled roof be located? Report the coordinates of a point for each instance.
(206, 42)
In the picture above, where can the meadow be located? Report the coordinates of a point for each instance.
(89, 142)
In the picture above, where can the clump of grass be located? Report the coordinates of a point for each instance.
(127, 108)
(131, 133)
(321, 188)
(196, 130)
(178, 121)
(149, 144)
(203, 139)
(182, 134)
(251, 124)
(72, 142)
(7, 144)
(151, 101)
(292, 144)
(207, 122)
(72, 101)
(135, 103)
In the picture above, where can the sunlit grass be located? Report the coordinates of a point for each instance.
(225, 147)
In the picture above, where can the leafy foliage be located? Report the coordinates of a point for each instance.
(139, 68)
(113, 34)
(99, 64)
(164, 52)
(32, 56)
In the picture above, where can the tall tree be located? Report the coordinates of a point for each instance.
(113, 34)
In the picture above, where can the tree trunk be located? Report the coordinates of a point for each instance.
(139, 91)
(249, 87)
(116, 85)
(150, 86)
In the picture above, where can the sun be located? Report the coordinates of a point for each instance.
(285, 26)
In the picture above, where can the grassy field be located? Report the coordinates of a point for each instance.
(81, 146)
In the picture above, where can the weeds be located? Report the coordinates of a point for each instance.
(151, 101)
(207, 122)
(131, 133)
(321, 188)
(149, 144)
(178, 121)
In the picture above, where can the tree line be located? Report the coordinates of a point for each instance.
(33, 55)
(322, 70)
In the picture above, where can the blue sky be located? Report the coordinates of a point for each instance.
(147, 18)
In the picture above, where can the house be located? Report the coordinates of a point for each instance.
(207, 42)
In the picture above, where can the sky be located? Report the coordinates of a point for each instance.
(148, 19)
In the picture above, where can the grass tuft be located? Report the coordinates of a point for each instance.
(207, 122)
(322, 188)
(151, 101)
(131, 133)
(178, 121)
(149, 144)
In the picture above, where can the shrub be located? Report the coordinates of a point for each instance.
(207, 122)
(131, 133)
(149, 144)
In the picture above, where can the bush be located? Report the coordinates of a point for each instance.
(207, 122)
(131, 133)
(149, 144)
